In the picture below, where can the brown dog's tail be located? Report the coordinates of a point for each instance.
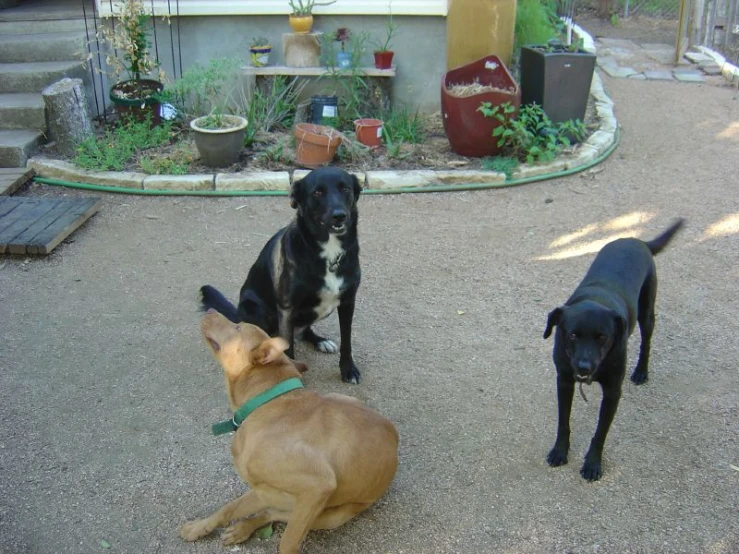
(657, 244)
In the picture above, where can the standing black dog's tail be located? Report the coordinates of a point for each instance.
(656, 245)
(212, 298)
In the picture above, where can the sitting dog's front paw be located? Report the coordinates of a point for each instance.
(350, 374)
(238, 532)
(194, 530)
(591, 470)
(557, 457)
(639, 377)
(327, 346)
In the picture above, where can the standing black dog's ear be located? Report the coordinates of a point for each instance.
(552, 320)
(621, 323)
(357, 188)
(297, 193)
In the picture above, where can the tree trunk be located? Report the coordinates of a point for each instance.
(67, 114)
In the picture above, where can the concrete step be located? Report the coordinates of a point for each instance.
(17, 145)
(46, 26)
(45, 47)
(34, 76)
(22, 110)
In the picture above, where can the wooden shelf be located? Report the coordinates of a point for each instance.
(269, 70)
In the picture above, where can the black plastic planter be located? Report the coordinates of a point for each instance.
(557, 80)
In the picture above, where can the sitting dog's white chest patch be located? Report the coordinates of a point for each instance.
(331, 251)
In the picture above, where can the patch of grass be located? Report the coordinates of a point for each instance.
(176, 162)
(536, 23)
(403, 125)
(501, 164)
(116, 147)
(277, 153)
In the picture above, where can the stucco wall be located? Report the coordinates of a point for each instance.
(420, 46)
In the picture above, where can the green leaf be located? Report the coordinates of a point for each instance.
(104, 543)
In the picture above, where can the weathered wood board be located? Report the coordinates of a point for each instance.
(13, 178)
(30, 225)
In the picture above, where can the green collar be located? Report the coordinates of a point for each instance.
(250, 405)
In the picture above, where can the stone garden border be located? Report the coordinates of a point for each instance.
(596, 147)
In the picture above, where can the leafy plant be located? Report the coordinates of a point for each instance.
(402, 125)
(391, 29)
(304, 8)
(211, 91)
(128, 34)
(277, 153)
(531, 136)
(274, 108)
(536, 23)
(501, 164)
(176, 163)
(259, 42)
(113, 150)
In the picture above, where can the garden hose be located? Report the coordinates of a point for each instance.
(402, 190)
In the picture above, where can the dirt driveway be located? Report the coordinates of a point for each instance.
(107, 392)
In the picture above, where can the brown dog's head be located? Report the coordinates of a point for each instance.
(240, 347)
(587, 331)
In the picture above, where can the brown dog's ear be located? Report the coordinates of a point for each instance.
(300, 366)
(297, 193)
(552, 320)
(268, 351)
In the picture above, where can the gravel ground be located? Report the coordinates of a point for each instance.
(108, 392)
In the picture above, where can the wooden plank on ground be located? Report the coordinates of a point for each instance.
(16, 220)
(47, 240)
(29, 228)
(13, 178)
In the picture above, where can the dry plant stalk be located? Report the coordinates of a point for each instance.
(471, 89)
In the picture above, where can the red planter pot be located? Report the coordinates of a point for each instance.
(384, 60)
(469, 132)
(368, 131)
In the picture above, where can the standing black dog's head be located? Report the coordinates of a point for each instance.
(326, 199)
(588, 332)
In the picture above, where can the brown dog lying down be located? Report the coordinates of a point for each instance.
(313, 461)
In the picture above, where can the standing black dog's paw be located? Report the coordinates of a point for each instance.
(557, 457)
(591, 470)
(639, 377)
(350, 373)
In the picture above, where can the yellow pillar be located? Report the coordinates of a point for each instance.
(477, 28)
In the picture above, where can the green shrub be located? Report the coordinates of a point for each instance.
(536, 23)
(531, 136)
(113, 150)
(403, 125)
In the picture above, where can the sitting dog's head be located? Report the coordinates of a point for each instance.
(588, 332)
(326, 199)
(240, 347)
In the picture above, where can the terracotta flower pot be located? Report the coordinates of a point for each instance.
(301, 24)
(315, 145)
(368, 131)
(384, 60)
(469, 132)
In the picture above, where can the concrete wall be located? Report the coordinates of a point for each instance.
(420, 46)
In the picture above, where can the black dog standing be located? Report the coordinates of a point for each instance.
(307, 269)
(593, 328)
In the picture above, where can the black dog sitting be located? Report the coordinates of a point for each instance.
(306, 269)
(593, 328)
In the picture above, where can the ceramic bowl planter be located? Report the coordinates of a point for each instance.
(301, 24)
(557, 79)
(368, 131)
(463, 89)
(219, 147)
(137, 99)
(384, 59)
(315, 145)
(260, 55)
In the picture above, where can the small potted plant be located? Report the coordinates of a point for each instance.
(557, 77)
(315, 145)
(136, 96)
(343, 58)
(209, 94)
(383, 53)
(301, 16)
(259, 51)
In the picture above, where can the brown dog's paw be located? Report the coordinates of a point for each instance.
(238, 533)
(194, 530)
